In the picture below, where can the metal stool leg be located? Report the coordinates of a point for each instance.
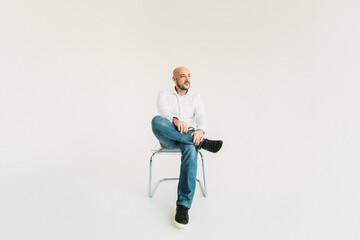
(152, 192)
(203, 187)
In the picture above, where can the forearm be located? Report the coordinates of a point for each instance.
(201, 119)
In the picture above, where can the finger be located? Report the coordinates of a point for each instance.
(192, 134)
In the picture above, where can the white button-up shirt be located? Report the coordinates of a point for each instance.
(188, 108)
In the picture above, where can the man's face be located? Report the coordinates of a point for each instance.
(182, 79)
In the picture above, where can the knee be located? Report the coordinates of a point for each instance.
(157, 122)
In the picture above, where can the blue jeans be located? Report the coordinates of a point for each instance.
(169, 137)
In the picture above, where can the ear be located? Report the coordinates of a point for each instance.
(173, 78)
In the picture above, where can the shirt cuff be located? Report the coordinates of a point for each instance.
(202, 128)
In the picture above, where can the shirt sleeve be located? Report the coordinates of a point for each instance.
(201, 120)
(163, 108)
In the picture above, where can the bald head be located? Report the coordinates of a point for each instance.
(178, 70)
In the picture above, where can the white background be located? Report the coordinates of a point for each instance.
(78, 84)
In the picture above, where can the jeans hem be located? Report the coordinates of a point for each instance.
(184, 204)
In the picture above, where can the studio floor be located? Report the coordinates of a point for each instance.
(74, 200)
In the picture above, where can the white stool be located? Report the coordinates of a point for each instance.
(165, 151)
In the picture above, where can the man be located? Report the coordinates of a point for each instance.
(182, 123)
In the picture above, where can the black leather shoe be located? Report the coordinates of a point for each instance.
(181, 217)
(212, 145)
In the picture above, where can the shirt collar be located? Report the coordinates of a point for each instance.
(189, 92)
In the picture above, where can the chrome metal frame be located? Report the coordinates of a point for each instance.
(174, 152)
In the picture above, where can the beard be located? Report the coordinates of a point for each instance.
(182, 86)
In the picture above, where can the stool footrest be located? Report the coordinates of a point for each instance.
(151, 192)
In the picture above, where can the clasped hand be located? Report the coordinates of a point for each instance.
(182, 127)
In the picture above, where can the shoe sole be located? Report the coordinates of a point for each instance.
(178, 225)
